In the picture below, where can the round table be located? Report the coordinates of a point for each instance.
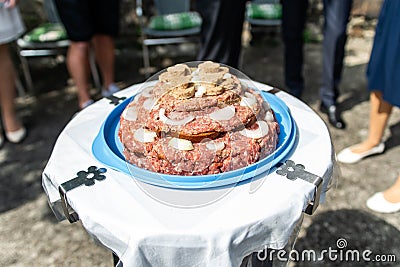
(147, 225)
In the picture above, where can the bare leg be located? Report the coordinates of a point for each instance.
(104, 51)
(78, 67)
(392, 194)
(7, 91)
(379, 115)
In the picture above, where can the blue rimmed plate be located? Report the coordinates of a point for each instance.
(108, 149)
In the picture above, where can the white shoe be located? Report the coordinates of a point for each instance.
(16, 136)
(347, 156)
(379, 204)
(112, 88)
(87, 103)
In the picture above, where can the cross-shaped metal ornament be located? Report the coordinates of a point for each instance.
(87, 178)
(114, 100)
(294, 171)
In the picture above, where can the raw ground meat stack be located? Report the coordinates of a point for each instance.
(197, 121)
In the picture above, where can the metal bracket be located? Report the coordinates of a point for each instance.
(115, 100)
(274, 91)
(86, 178)
(294, 171)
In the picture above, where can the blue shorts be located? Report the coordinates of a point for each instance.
(83, 19)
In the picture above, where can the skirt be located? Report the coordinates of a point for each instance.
(11, 25)
(383, 70)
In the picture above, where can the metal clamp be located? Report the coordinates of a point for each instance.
(114, 100)
(297, 171)
(86, 178)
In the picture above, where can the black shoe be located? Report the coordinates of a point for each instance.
(334, 116)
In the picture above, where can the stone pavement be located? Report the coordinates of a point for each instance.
(31, 236)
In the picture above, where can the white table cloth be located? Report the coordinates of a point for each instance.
(146, 225)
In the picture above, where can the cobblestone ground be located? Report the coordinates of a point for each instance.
(30, 235)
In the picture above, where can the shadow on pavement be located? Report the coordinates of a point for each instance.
(45, 112)
(350, 232)
(21, 165)
(393, 140)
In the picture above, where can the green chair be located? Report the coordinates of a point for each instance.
(264, 12)
(172, 23)
(47, 40)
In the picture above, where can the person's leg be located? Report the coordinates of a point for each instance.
(221, 35)
(208, 10)
(105, 57)
(336, 14)
(380, 111)
(294, 15)
(78, 67)
(7, 91)
(345, 7)
(106, 17)
(77, 19)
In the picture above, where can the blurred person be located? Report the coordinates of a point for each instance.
(336, 17)
(383, 75)
(90, 22)
(11, 27)
(221, 30)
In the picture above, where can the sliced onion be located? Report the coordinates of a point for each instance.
(269, 116)
(223, 114)
(266, 105)
(149, 103)
(261, 131)
(250, 95)
(200, 91)
(215, 146)
(227, 76)
(195, 72)
(146, 92)
(181, 144)
(144, 136)
(168, 121)
(195, 78)
(130, 114)
(248, 100)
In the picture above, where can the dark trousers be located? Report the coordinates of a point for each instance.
(221, 32)
(336, 13)
(294, 15)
